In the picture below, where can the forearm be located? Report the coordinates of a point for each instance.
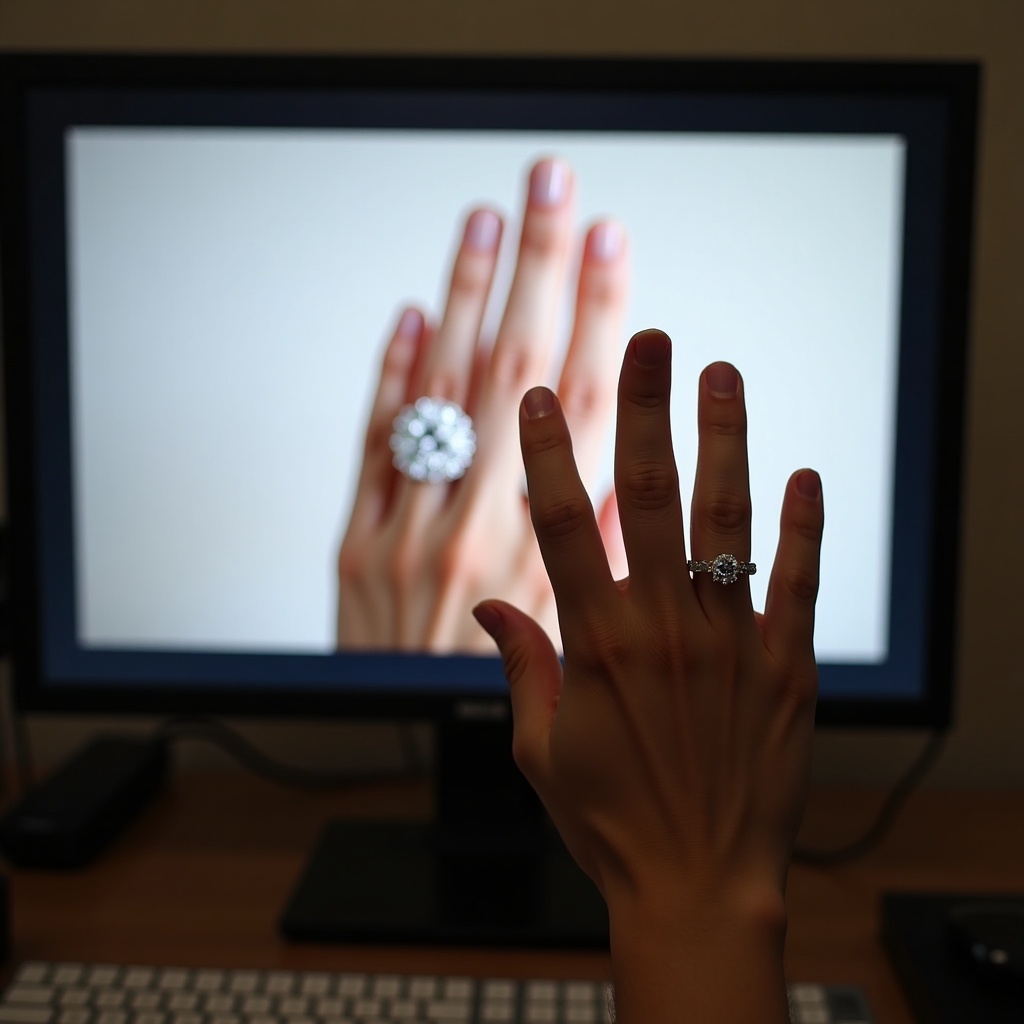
(708, 964)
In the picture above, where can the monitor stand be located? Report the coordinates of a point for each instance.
(490, 870)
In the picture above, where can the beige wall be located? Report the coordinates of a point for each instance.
(987, 746)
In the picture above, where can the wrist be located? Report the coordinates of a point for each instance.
(709, 956)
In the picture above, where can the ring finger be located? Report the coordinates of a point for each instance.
(525, 338)
(720, 509)
(446, 369)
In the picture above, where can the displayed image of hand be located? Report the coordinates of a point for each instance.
(672, 747)
(417, 555)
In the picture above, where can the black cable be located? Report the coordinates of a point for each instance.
(247, 754)
(886, 816)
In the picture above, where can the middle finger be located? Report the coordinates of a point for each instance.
(720, 509)
(525, 338)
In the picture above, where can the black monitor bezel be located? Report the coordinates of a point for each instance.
(957, 85)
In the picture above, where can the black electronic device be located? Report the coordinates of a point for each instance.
(202, 255)
(66, 820)
(926, 936)
(991, 936)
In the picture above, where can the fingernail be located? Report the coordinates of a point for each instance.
(723, 380)
(483, 230)
(549, 182)
(489, 619)
(538, 402)
(808, 485)
(650, 349)
(410, 323)
(605, 241)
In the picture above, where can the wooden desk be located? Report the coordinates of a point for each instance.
(200, 880)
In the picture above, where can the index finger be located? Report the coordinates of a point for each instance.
(563, 517)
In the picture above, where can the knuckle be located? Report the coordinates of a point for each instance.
(800, 583)
(727, 426)
(541, 439)
(442, 382)
(585, 396)
(560, 518)
(512, 366)
(351, 564)
(646, 401)
(469, 279)
(542, 238)
(727, 513)
(523, 753)
(808, 529)
(651, 485)
(600, 290)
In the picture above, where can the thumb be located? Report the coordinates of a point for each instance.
(534, 675)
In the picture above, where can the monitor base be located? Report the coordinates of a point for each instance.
(397, 883)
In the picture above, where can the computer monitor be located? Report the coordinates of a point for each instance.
(203, 255)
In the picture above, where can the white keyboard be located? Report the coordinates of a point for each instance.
(64, 993)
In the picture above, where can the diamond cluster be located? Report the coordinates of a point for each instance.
(433, 441)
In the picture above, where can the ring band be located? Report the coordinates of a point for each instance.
(433, 441)
(723, 568)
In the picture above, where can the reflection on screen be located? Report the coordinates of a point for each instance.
(231, 292)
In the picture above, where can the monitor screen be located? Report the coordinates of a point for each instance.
(204, 258)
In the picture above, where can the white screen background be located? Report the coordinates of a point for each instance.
(232, 290)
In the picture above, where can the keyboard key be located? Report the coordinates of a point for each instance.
(280, 983)
(102, 976)
(315, 985)
(452, 1010)
(68, 974)
(458, 988)
(541, 991)
(173, 980)
(74, 997)
(10, 1014)
(540, 1013)
(145, 1000)
(386, 986)
(422, 987)
(351, 984)
(22, 993)
(499, 989)
(328, 1008)
(32, 973)
(74, 1017)
(187, 1018)
(497, 1011)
